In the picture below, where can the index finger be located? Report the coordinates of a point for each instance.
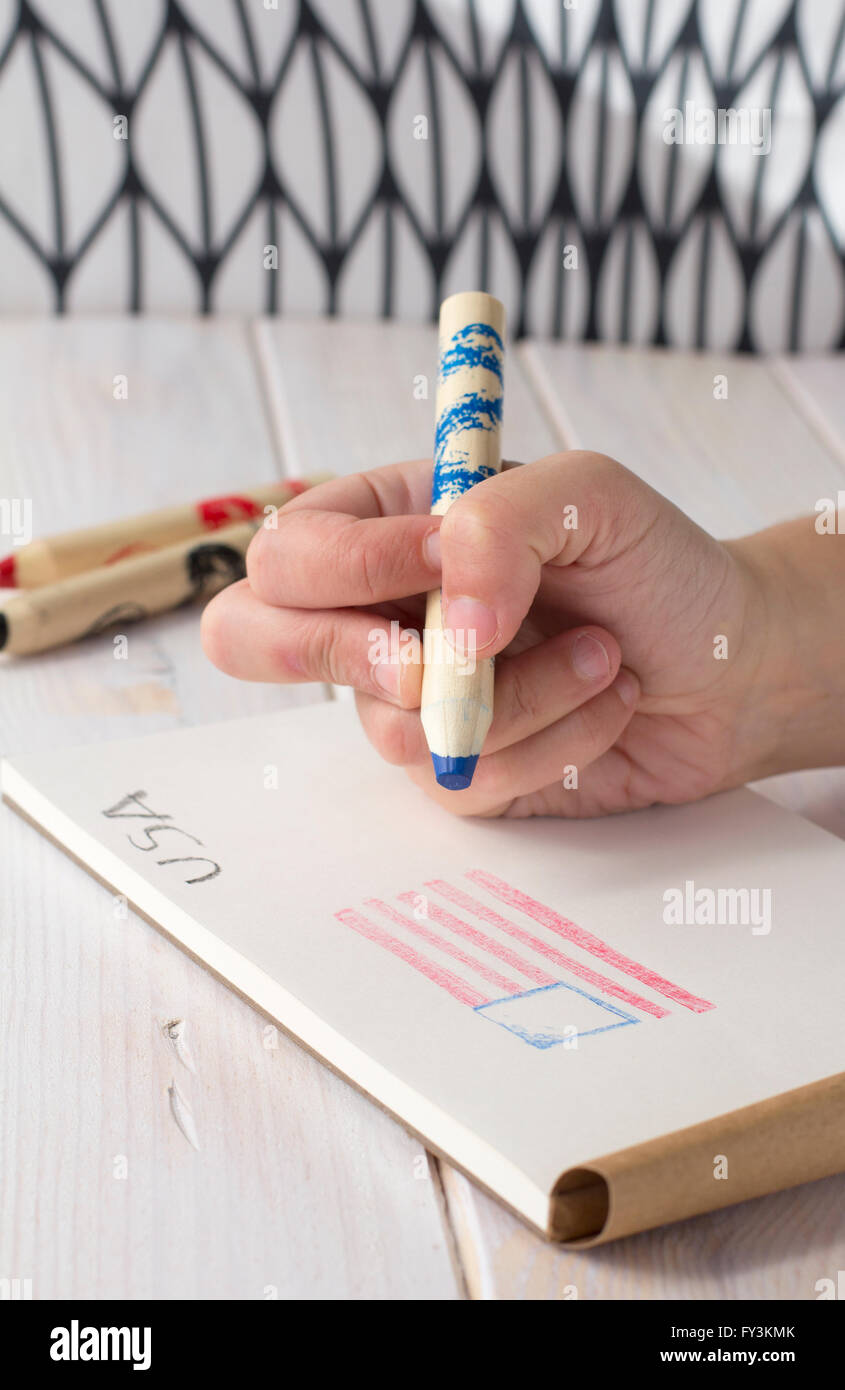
(399, 489)
(356, 540)
(359, 540)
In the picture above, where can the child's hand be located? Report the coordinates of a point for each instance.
(635, 649)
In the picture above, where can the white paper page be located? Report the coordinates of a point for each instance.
(532, 1011)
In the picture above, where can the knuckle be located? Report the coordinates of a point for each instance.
(613, 487)
(368, 573)
(524, 709)
(368, 568)
(317, 649)
(601, 469)
(473, 523)
(596, 463)
(591, 726)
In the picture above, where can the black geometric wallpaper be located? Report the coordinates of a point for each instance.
(366, 157)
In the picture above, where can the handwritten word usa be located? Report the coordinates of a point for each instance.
(140, 811)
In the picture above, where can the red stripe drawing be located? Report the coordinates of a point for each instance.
(515, 898)
(583, 972)
(492, 976)
(479, 938)
(441, 977)
(552, 1009)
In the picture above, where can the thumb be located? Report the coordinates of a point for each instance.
(495, 539)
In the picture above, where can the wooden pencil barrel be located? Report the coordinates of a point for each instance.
(457, 696)
(54, 558)
(37, 619)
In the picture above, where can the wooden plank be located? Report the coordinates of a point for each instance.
(817, 387)
(241, 1168)
(774, 1248)
(192, 425)
(378, 406)
(733, 465)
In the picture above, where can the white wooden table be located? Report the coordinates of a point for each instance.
(281, 1181)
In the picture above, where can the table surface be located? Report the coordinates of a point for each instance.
(158, 1140)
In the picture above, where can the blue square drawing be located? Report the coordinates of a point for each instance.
(542, 1016)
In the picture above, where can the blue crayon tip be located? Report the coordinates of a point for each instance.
(455, 774)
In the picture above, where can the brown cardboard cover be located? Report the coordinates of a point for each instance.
(792, 1138)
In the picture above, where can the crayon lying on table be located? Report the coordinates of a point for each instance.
(87, 604)
(59, 557)
(457, 703)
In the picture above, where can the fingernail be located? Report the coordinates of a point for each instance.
(627, 687)
(590, 659)
(386, 674)
(469, 626)
(431, 549)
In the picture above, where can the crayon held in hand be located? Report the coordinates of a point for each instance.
(61, 556)
(457, 696)
(37, 619)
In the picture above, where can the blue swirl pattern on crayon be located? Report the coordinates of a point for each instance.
(473, 346)
(457, 481)
(469, 412)
(451, 475)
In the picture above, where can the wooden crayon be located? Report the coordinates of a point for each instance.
(457, 695)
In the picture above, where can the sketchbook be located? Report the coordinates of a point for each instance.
(607, 1024)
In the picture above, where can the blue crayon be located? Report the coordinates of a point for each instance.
(457, 690)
